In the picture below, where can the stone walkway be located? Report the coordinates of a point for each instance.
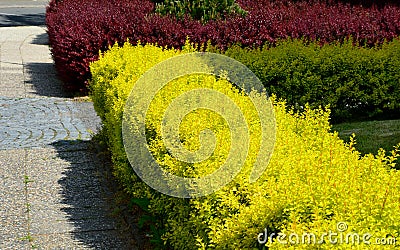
(52, 192)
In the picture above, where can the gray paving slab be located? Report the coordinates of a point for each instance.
(18, 34)
(13, 209)
(42, 53)
(12, 85)
(52, 189)
(20, 244)
(25, 64)
(93, 240)
(47, 219)
(66, 195)
(10, 55)
(8, 68)
(33, 88)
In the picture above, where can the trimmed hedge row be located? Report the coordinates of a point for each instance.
(78, 30)
(313, 181)
(356, 82)
(365, 3)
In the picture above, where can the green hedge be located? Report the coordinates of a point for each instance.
(356, 82)
(313, 180)
(203, 10)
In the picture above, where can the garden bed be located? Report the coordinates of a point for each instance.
(313, 183)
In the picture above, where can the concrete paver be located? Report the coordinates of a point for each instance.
(35, 122)
(52, 193)
(13, 214)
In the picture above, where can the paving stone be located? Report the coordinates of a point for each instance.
(40, 121)
(44, 137)
(42, 53)
(58, 241)
(48, 219)
(19, 34)
(13, 209)
(13, 244)
(11, 80)
(11, 91)
(63, 147)
(82, 240)
(7, 68)
(10, 49)
(65, 193)
(45, 88)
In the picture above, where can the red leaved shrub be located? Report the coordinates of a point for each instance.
(78, 30)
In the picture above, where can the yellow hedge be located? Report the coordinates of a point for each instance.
(314, 183)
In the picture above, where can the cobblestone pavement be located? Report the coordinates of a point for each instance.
(53, 193)
(37, 122)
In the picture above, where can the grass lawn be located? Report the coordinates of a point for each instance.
(371, 135)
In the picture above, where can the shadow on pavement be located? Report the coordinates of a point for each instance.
(42, 39)
(88, 193)
(12, 20)
(43, 75)
(43, 78)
